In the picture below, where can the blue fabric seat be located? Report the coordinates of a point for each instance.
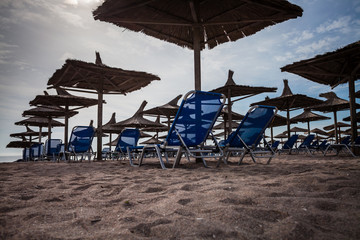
(344, 146)
(190, 129)
(80, 142)
(52, 148)
(127, 142)
(289, 144)
(249, 133)
(37, 151)
(306, 144)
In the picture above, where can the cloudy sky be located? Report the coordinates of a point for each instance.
(37, 36)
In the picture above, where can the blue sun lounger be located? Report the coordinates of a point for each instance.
(190, 129)
(80, 142)
(127, 142)
(289, 144)
(250, 132)
(344, 146)
(52, 148)
(306, 144)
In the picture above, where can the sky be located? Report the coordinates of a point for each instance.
(37, 36)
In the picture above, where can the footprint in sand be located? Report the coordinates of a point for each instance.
(144, 229)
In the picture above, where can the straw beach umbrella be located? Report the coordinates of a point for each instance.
(39, 122)
(138, 120)
(97, 78)
(196, 24)
(333, 68)
(168, 110)
(231, 89)
(64, 99)
(289, 101)
(308, 116)
(333, 104)
(49, 112)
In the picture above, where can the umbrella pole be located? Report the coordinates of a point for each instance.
(99, 129)
(66, 134)
(40, 133)
(230, 110)
(308, 123)
(352, 109)
(336, 128)
(197, 64)
(49, 128)
(288, 121)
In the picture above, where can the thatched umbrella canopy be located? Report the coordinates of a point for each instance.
(153, 140)
(195, 24)
(333, 104)
(49, 112)
(99, 79)
(137, 120)
(333, 68)
(289, 101)
(18, 144)
(224, 125)
(231, 89)
(70, 104)
(308, 116)
(357, 118)
(277, 122)
(168, 110)
(318, 131)
(28, 133)
(39, 122)
(357, 94)
(298, 129)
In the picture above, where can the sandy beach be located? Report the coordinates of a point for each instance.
(295, 197)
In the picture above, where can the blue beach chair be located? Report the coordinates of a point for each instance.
(306, 144)
(190, 129)
(37, 151)
(127, 142)
(80, 142)
(52, 148)
(250, 132)
(289, 144)
(344, 145)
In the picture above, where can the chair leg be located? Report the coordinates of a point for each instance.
(178, 157)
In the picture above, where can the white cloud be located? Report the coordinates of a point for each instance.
(305, 35)
(339, 24)
(316, 47)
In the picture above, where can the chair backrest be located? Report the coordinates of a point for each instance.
(346, 140)
(275, 144)
(252, 127)
(323, 143)
(36, 150)
(52, 146)
(81, 139)
(129, 137)
(26, 154)
(307, 141)
(357, 140)
(290, 142)
(195, 118)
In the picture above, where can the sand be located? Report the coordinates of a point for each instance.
(295, 197)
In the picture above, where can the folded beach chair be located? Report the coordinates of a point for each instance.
(289, 144)
(52, 148)
(80, 142)
(190, 129)
(26, 154)
(306, 144)
(127, 142)
(37, 151)
(105, 153)
(274, 146)
(249, 133)
(344, 146)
